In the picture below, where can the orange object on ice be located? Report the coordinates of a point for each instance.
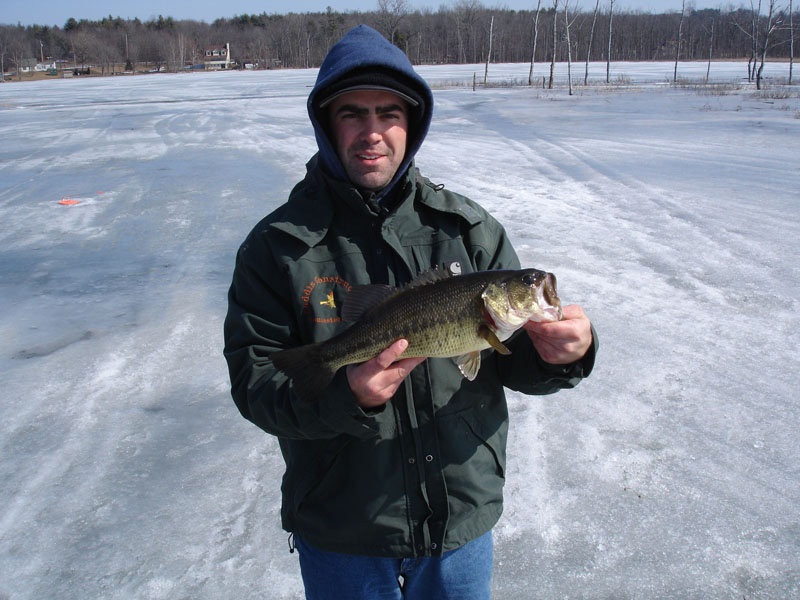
(67, 201)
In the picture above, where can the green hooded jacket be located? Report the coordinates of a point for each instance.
(425, 474)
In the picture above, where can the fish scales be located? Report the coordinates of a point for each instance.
(438, 314)
(437, 319)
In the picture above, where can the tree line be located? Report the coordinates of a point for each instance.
(463, 32)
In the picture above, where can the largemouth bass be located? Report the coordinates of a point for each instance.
(440, 315)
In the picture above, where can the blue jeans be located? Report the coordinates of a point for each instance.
(461, 574)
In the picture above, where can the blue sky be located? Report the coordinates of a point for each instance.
(56, 12)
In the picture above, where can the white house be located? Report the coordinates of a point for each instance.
(31, 65)
(217, 57)
(41, 67)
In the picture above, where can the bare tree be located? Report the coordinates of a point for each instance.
(567, 24)
(465, 13)
(174, 51)
(591, 40)
(82, 46)
(608, 53)
(390, 15)
(755, 15)
(771, 24)
(308, 35)
(450, 34)
(5, 44)
(488, 53)
(710, 51)
(18, 48)
(678, 41)
(791, 41)
(535, 38)
(555, 45)
(262, 50)
(105, 52)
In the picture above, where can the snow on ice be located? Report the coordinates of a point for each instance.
(669, 212)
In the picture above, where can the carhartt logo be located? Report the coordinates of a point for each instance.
(330, 301)
(319, 297)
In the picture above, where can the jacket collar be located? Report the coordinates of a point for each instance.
(314, 202)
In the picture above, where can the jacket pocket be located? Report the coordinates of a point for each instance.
(315, 471)
(492, 437)
(473, 451)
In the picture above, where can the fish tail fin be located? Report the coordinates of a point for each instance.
(304, 365)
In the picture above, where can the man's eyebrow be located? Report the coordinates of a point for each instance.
(363, 110)
(389, 108)
(352, 108)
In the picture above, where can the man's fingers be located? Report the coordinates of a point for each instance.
(565, 341)
(403, 367)
(566, 328)
(375, 381)
(391, 354)
(572, 311)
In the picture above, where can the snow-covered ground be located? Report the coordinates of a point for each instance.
(672, 214)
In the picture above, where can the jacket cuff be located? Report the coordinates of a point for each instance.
(580, 369)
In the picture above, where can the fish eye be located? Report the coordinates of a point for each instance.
(529, 279)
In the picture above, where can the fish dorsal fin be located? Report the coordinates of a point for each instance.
(429, 276)
(363, 298)
(469, 364)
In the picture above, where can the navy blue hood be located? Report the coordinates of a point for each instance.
(364, 55)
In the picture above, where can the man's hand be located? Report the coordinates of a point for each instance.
(562, 342)
(374, 382)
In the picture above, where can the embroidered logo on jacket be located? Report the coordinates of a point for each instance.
(330, 301)
(321, 298)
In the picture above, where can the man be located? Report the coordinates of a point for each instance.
(394, 476)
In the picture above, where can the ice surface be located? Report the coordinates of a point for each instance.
(671, 214)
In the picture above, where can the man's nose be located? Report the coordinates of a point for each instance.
(372, 130)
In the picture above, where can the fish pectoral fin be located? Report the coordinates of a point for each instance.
(469, 364)
(486, 333)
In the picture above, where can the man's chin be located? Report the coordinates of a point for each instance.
(372, 182)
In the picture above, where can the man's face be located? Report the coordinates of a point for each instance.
(370, 129)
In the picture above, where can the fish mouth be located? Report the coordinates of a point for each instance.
(550, 290)
(549, 300)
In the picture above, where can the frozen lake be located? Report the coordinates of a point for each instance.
(670, 213)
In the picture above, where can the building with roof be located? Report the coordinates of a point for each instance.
(217, 58)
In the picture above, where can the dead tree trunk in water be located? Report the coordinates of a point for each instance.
(569, 45)
(710, 51)
(489, 53)
(535, 37)
(678, 43)
(755, 15)
(608, 53)
(589, 45)
(771, 25)
(555, 45)
(791, 42)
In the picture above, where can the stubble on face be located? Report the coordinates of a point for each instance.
(370, 129)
